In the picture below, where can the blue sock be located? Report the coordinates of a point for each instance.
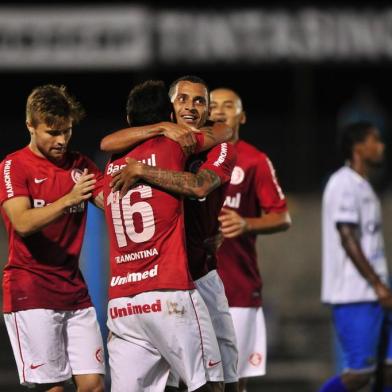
(387, 389)
(334, 384)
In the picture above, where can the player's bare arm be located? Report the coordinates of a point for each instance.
(215, 133)
(122, 140)
(197, 185)
(126, 138)
(27, 220)
(350, 243)
(234, 225)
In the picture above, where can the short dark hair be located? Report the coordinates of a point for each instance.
(148, 103)
(187, 78)
(352, 134)
(52, 105)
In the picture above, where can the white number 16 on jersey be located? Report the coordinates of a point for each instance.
(123, 212)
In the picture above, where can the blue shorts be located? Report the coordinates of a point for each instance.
(359, 329)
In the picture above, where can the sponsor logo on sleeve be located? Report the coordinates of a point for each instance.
(7, 178)
(222, 155)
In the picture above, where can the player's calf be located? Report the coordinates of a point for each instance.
(348, 382)
(89, 383)
(55, 387)
(354, 381)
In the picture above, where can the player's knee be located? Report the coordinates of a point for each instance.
(355, 381)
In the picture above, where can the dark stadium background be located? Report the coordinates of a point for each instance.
(292, 109)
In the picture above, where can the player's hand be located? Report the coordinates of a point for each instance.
(384, 295)
(82, 190)
(212, 244)
(125, 178)
(232, 224)
(181, 134)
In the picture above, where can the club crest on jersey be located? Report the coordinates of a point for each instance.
(255, 359)
(237, 176)
(76, 174)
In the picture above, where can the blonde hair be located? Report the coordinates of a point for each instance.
(52, 105)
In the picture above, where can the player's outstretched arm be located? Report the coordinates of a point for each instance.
(215, 133)
(27, 220)
(184, 183)
(234, 225)
(127, 138)
(350, 243)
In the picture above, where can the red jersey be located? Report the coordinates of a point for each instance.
(146, 227)
(201, 215)
(254, 189)
(42, 269)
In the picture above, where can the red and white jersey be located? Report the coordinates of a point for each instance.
(253, 190)
(42, 269)
(201, 215)
(146, 227)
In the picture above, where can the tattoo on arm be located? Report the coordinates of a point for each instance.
(183, 183)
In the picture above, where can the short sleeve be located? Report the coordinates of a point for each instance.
(345, 205)
(269, 192)
(221, 160)
(13, 180)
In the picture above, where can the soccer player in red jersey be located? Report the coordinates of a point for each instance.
(205, 184)
(157, 319)
(44, 190)
(254, 204)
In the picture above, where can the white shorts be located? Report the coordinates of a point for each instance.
(250, 330)
(154, 331)
(50, 346)
(212, 291)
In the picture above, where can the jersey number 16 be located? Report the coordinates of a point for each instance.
(123, 213)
